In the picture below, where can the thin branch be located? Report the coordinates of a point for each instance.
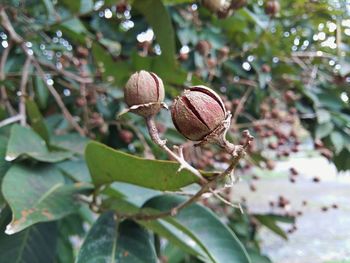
(6, 24)
(4, 96)
(59, 101)
(68, 74)
(162, 143)
(241, 104)
(22, 98)
(10, 120)
(205, 188)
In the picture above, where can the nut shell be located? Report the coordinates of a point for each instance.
(144, 88)
(198, 112)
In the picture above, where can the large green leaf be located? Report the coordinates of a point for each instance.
(107, 165)
(75, 169)
(38, 194)
(25, 142)
(129, 199)
(215, 237)
(65, 142)
(35, 244)
(112, 241)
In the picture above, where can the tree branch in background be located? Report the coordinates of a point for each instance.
(58, 100)
(23, 93)
(4, 96)
(241, 103)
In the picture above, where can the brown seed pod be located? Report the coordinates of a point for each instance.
(146, 90)
(203, 47)
(272, 7)
(126, 136)
(198, 112)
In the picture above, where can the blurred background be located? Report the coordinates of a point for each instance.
(281, 67)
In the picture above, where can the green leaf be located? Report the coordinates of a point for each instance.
(337, 141)
(129, 198)
(107, 165)
(112, 241)
(38, 194)
(75, 169)
(36, 119)
(50, 9)
(324, 129)
(158, 18)
(35, 244)
(41, 92)
(4, 165)
(65, 142)
(270, 223)
(25, 142)
(215, 237)
(323, 116)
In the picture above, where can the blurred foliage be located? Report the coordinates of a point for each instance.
(285, 76)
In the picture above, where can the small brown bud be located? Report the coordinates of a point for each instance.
(223, 53)
(82, 52)
(143, 88)
(213, 5)
(265, 68)
(293, 171)
(252, 188)
(126, 136)
(316, 179)
(290, 96)
(203, 47)
(272, 7)
(318, 144)
(198, 112)
(270, 164)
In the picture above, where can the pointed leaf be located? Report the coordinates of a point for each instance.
(111, 241)
(25, 142)
(38, 194)
(35, 244)
(220, 242)
(107, 165)
(270, 223)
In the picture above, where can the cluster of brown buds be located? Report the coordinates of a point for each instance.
(198, 114)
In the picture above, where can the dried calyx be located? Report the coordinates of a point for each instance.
(198, 112)
(144, 93)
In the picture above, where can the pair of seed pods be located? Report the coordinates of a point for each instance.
(196, 113)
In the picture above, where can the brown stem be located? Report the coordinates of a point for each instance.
(241, 104)
(22, 98)
(4, 96)
(59, 101)
(152, 129)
